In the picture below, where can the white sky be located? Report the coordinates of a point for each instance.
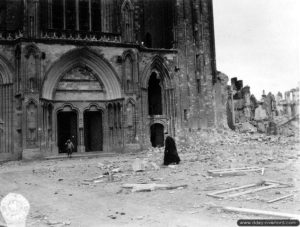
(258, 41)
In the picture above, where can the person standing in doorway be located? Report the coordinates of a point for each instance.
(69, 148)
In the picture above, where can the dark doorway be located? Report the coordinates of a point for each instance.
(154, 95)
(157, 135)
(148, 40)
(93, 131)
(66, 129)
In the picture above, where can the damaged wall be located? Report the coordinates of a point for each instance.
(247, 114)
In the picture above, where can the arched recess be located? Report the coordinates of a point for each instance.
(127, 11)
(31, 123)
(157, 65)
(32, 68)
(130, 121)
(93, 128)
(67, 126)
(157, 135)
(82, 56)
(6, 108)
(129, 77)
(156, 73)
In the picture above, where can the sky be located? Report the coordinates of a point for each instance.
(258, 41)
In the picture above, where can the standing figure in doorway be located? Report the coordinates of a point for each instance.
(69, 148)
(171, 155)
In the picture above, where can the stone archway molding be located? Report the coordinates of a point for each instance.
(158, 66)
(82, 56)
(6, 71)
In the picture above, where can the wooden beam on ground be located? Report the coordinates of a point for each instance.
(234, 171)
(243, 168)
(152, 187)
(252, 190)
(281, 198)
(232, 189)
(260, 212)
(281, 183)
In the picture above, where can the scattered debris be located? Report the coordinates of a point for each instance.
(281, 198)
(156, 179)
(112, 216)
(58, 223)
(155, 166)
(117, 170)
(94, 179)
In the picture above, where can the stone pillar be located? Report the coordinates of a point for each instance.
(247, 104)
(230, 106)
(105, 125)
(80, 136)
(233, 83)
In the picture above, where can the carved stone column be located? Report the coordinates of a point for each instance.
(80, 136)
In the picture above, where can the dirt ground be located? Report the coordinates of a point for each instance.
(61, 195)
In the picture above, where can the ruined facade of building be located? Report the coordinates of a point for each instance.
(108, 74)
(268, 115)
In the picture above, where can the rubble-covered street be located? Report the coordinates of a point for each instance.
(90, 192)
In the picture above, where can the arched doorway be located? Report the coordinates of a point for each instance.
(157, 135)
(79, 78)
(66, 129)
(154, 95)
(93, 131)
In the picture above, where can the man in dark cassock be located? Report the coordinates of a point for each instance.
(171, 155)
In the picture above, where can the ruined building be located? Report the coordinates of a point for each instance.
(110, 75)
(271, 115)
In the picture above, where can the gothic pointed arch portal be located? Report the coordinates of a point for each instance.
(81, 78)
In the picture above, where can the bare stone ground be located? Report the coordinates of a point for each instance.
(59, 196)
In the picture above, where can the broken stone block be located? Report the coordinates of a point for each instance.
(246, 127)
(261, 127)
(155, 166)
(260, 113)
(138, 165)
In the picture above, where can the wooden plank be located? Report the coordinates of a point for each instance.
(279, 182)
(281, 198)
(261, 212)
(234, 172)
(233, 189)
(152, 187)
(251, 191)
(216, 196)
(227, 174)
(234, 169)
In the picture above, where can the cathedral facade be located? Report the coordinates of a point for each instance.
(111, 75)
